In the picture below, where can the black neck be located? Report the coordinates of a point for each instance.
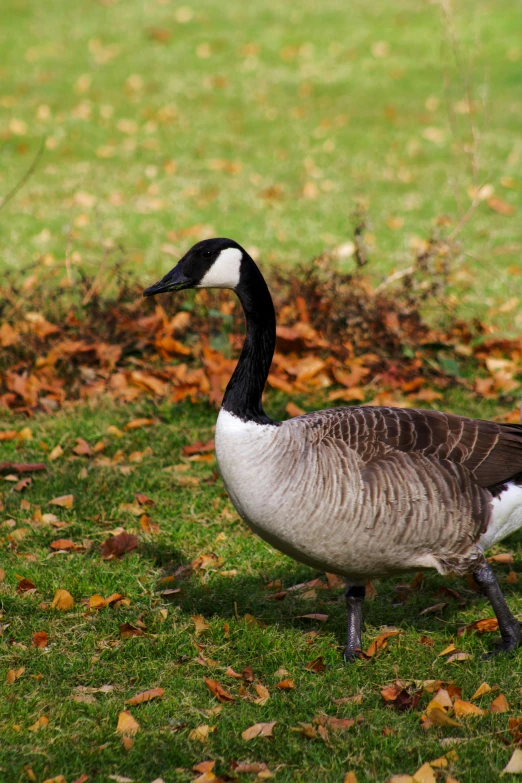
(245, 388)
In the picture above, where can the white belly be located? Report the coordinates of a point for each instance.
(506, 516)
(306, 501)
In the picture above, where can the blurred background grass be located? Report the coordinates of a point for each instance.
(268, 122)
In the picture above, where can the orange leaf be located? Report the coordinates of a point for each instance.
(316, 666)
(481, 691)
(13, 675)
(499, 205)
(41, 723)
(62, 543)
(127, 724)
(218, 691)
(500, 704)
(137, 424)
(127, 630)
(465, 708)
(40, 639)
(65, 501)
(139, 698)
(381, 642)
(62, 600)
(285, 685)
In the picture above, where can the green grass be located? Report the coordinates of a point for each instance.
(85, 648)
(309, 109)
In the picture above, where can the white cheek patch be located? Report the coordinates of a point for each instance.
(224, 272)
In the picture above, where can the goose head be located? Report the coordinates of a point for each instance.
(212, 263)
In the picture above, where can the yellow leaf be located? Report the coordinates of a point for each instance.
(465, 708)
(55, 453)
(437, 715)
(65, 501)
(127, 724)
(350, 777)
(13, 674)
(62, 600)
(200, 733)
(449, 649)
(425, 774)
(154, 693)
(481, 691)
(41, 723)
(263, 694)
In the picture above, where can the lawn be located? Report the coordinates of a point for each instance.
(164, 124)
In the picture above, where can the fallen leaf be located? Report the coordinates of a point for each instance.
(488, 625)
(55, 453)
(435, 608)
(262, 693)
(40, 639)
(380, 642)
(82, 448)
(514, 765)
(14, 674)
(200, 733)
(139, 698)
(62, 544)
(350, 777)
(465, 708)
(200, 623)
(62, 600)
(258, 730)
(286, 685)
(127, 630)
(449, 649)
(137, 424)
(425, 774)
(437, 715)
(459, 656)
(504, 557)
(144, 500)
(117, 546)
(499, 205)
(316, 666)
(500, 704)
(218, 691)
(41, 723)
(127, 724)
(314, 616)
(198, 448)
(481, 691)
(64, 501)
(24, 585)
(512, 578)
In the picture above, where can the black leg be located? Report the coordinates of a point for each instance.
(354, 602)
(509, 626)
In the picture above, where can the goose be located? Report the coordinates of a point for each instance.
(360, 491)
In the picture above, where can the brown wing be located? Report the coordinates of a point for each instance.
(490, 451)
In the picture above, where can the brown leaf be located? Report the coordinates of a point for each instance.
(262, 693)
(198, 448)
(127, 724)
(459, 656)
(218, 691)
(200, 733)
(350, 777)
(14, 674)
(24, 585)
(380, 642)
(62, 544)
(127, 630)
(200, 623)
(488, 625)
(62, 600)
(40, 639)
(316, 666)
(286, 685)
(118, 546)
(500, 704)
(435, 608)
(512, 578)
(64, 501)
(139, 698)
(248, 674)
(258, 730)
(82, 448)
(144, 500)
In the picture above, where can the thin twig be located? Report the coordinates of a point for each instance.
(21, 182)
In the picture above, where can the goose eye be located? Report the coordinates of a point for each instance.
(207, 253)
